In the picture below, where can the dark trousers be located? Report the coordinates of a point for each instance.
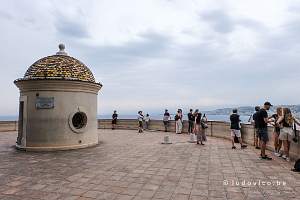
(191, 126)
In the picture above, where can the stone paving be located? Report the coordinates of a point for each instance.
(127, 165)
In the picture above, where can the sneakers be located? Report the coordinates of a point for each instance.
(286, 158)
(265, 158)
(277, 154)
(243, 146)
(257, 147)
(233, 147)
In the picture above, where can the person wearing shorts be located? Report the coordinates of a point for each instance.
(262, 124)
(287, 132)
(235, 128)
(276, 132)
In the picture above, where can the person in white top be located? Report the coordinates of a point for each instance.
(178, 121)
(140, 120)
(147, 121)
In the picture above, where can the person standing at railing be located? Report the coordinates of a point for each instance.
(256, 137)
(178, 122)
(286, 120)
(262, 124)
(191, 119)
(166, 119)
(147, 121)
(197, 127)
(276, 132)
(114, 120)
(140, 120)
(235, 128)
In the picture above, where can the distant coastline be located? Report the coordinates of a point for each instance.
(221, 114)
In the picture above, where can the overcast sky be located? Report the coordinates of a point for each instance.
(156, 54)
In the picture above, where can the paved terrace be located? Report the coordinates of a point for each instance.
(127, 165)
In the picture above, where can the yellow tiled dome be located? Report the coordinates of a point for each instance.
(59, 66)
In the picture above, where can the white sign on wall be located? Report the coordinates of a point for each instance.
(44, 102)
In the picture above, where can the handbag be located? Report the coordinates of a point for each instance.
(204, 125)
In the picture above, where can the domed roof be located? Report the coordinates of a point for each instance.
(59, 66)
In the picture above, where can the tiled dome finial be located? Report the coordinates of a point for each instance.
(61, 50)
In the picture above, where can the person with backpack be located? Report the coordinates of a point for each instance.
(235, 129)
(178, 122)
(286, 121)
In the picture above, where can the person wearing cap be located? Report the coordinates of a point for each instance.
(166, 119)
(262, 125)
(236, 129)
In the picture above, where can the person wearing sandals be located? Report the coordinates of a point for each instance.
(197, 127)
(286, 120)
(262, 125)
(276, 132)
(235, 128)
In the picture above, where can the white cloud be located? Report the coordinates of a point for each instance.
(153, 54)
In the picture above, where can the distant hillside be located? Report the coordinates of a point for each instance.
(248, 110)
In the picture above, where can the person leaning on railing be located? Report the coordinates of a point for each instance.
(286, 121)
(276, 132)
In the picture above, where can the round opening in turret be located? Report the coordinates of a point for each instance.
(79, 120)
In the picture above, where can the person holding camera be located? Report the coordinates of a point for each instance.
(286, 121)
(236, 129)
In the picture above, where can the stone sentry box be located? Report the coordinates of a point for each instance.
(58, 105)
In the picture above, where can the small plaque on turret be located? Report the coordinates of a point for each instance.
(44, 103)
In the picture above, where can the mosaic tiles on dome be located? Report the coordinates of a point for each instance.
(59, 67)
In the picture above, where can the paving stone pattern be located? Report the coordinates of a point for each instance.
(131, 166)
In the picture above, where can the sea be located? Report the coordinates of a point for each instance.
(222, 118)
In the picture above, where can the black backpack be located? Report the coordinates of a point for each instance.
(297, 166)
